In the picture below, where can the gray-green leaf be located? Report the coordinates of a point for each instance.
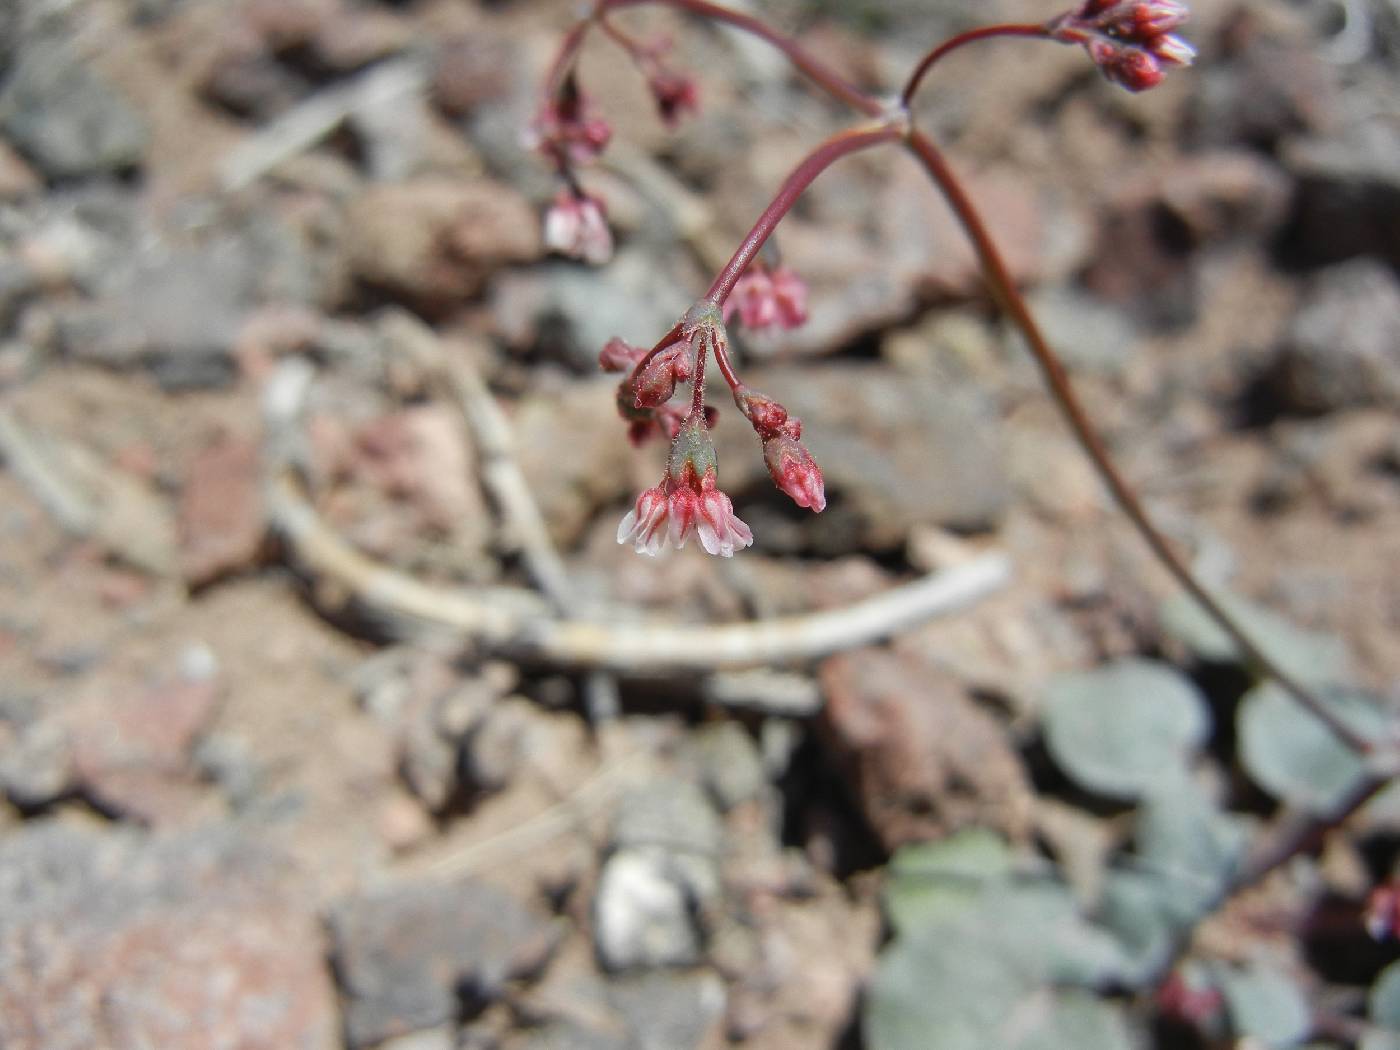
(1123, 728)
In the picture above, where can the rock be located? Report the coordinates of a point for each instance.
(896, 451)
(655, 888)
(731, 767)
(1341, 350)
(566, 312)
(433, 241)
(192, 942)
(472, 71)
(1263, 90)
(405, 955)
(573, 450)
(61, 113)
(923, 760)
(132, 750)
(672, 814)
(1089, 334)
(221, 510)
(1348, 194)
(17, 179)
(642, 912)
(668, 1011)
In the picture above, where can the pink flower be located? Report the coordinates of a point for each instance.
(577, 226)
(764, 297)
(676, 95)
(795, 471)
(1129, 40)
(566, 129)
(687, 503)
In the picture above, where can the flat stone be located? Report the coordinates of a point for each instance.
(405, 955)
(188, 943)
(65, 117)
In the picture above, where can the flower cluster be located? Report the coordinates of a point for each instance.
(687, 503)
(766, 296)
(1131, 41)
(567, 130)
(688, 499)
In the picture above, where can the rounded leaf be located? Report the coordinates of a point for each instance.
(1383, 1002)
(1267, 1004)
(1121, 729)
(1293, 756)
(1308, 655)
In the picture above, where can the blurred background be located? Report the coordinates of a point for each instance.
(246, 803)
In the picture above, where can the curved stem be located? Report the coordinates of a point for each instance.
(816, 70)
(821, 158)
(953, 43)
(1004, 288)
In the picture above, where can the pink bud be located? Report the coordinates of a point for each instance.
(764, 297)
(658, 379)
(618, 355)
(765, 414)
(566, 129)
(577, 226)
(676, 95)
(1172, 50)
(795, 471)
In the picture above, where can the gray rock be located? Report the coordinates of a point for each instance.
(1088, 333)
(196, 941)
(896, 451)
(1347, 201)
(645, 909)
(730, 764)
(672, 814)
(1342, 349)
(405, 955)
(65, 117)
(668, 1011)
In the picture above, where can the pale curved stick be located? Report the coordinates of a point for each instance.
(516, 622)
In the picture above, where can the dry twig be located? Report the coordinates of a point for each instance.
(517, 623)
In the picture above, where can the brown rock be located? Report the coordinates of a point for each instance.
(921, 757)
(433, 241)
(107, 942)
(131, 750)
(221, 510)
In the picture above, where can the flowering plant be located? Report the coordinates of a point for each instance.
(1133, 43)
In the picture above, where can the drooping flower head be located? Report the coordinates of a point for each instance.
(767, 295)
(687, 503)
(676, 95)
(1131, 41)
(566, 129)
(576, 225)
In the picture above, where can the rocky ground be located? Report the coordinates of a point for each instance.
(243, 805)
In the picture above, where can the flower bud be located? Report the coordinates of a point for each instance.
(766, 415)
(676, 95)
(618, 355)
(659, 376)
(795, 471)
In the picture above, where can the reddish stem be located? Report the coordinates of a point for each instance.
(953, 43)
(1005, 290)
(815, 69)
(726, 366)
(697, 390)
(821, 158)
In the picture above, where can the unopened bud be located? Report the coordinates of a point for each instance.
(795, 471)
(618, 355)
(660, 375)
(766, 415)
